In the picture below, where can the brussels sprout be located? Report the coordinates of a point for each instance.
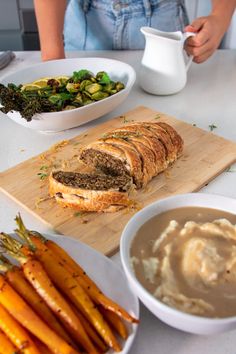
(103, 77)
(93, 88)
(68, 107)
(87, 101)
(78, 98)
(100, 95)
(86, 95)
(84, 83)
(119, 86)
(71, 87)
(109, 87)
(93, 79)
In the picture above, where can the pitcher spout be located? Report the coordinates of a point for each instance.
(154, 33)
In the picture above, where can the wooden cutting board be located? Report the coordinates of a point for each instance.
(205, 156)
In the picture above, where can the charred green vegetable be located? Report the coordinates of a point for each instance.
(57, 93)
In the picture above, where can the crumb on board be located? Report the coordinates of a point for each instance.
(81, 215)
(167, 173)
(58, 145)
(133, 206)
(148, 189)
(38, 201)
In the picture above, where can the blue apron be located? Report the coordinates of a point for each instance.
(115, 24)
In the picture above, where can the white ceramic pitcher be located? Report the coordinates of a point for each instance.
(163, 67)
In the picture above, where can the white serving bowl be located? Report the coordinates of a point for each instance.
(169, 315)
(58, 121)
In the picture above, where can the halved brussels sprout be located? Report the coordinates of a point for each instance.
(100, 95)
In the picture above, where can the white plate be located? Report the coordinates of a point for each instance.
(107, 275)
(58, 121)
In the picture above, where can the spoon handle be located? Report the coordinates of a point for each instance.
(6, 58)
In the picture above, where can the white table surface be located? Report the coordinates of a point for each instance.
(208, 98)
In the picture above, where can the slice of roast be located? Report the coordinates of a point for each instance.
(90, 192)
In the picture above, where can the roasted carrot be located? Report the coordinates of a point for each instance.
(115, 321)
(69, 262)
(70, 287)
(90, 331)
(93, 291)
(38, 241)
(17, 334)
(42, 347)
(23, 313)
(37, 276)
(16, 278)
(6, 346)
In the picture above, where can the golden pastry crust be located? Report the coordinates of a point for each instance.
(175, 137)
(89, 205)
(87, 199)
(147, 138)
(163, 136)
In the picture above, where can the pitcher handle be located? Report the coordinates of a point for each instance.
(186, 35)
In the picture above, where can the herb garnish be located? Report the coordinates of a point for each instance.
(44, 167)
(42, 175)
(230, 169)
(212, 127)
(78, 214)
(125, 120)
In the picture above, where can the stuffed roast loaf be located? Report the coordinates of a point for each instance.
(130, 155)
(142, 150)
(90, 192)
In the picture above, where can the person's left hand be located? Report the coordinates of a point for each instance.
(210, 31)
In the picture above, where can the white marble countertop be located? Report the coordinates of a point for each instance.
(208, 98)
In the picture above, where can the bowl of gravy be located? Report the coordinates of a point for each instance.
(179, 255)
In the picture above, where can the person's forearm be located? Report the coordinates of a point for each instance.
(224, 9)
(50, 20)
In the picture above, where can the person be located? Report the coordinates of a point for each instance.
(115, 24)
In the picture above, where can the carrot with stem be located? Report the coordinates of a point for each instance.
(17, 334)
(37, 276)
(39, 279)
(6, 346)
(23, 313)
(68, 285)
(38, 242)
(15, 277)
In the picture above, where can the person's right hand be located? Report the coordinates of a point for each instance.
(210, 31)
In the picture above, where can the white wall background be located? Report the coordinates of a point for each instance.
(198, 8)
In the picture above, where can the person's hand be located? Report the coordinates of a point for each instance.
(210, 31)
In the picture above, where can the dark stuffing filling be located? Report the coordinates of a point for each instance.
(93, 181)
(104, 162)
